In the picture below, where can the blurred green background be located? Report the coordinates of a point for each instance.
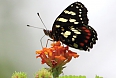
(18, 42)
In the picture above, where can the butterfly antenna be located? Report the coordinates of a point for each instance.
(37, 28)
(34, 27)
(42, 21)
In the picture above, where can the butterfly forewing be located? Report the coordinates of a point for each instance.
(76, 13)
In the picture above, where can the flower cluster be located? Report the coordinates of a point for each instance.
(56, 55)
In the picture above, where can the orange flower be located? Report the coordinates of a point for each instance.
(56, 55)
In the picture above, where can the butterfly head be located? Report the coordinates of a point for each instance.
(48, 33)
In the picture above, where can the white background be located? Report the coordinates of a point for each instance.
(18, 42)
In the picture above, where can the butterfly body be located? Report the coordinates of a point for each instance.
(71, 28)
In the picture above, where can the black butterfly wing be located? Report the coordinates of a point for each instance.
(71, 28)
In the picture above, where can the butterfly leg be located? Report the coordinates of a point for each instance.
(49, 40)
(41, 41)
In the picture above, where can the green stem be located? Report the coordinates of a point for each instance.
(56, 72)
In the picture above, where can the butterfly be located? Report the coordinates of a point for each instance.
(71, 28)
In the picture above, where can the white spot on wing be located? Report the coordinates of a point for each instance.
(76, 3)
(72, 28)
(77, 7)
(66, 11)
(71, 5)
(62, 33)
(72, 20)
(73, 13)
(57, 26)
(62, 19)
(74, 36)
(69, 12)
(66, 34)
(75, 31)
(62, 29)
(80, 10)
(76, 22)
(80, 18)
(79, 15)
(79, 4)
(73, 39)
